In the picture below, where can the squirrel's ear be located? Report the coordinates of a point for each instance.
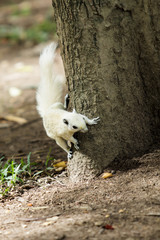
(74, 111)
(65, 121)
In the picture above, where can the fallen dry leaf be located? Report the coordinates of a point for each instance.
(59, 169)
(121, 210)
(62, 164)
(29, 204)
(106, 175)
(108, 227)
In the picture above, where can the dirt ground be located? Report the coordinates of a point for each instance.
(126, 206)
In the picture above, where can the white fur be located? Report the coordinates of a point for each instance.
(51, 87)
(58, 123)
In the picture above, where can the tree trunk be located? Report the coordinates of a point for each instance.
(111, 53)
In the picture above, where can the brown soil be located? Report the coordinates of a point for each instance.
(52, 208)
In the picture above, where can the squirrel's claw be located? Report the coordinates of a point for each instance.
(76, 146)
(95, 120)
(70, 154)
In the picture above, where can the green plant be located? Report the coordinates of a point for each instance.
(46, 167)
(26, 167)
(11, 33)
(24, 10)
(48, 158)
(41, 32)
(12, 173)
(37, 33)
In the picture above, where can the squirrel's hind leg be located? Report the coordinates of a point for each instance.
(63, 144)
(75, 142)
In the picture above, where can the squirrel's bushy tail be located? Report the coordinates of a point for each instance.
(51, 87)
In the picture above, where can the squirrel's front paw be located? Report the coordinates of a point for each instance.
(95, 120)
(76, 146)
(70, 154)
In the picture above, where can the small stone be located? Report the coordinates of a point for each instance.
(52, 219)
(24, 225)
(45, 224)
(85, 207)
(121, 210)
(98, 223)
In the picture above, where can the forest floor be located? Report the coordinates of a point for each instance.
(126, 206)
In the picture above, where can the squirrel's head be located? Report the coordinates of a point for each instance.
(75, 123)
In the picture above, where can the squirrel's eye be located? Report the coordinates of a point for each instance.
(65, 121)
(74, 127)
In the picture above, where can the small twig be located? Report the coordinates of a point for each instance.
(153, 215)
(33, 219)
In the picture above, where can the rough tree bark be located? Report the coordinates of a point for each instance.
(111, 53)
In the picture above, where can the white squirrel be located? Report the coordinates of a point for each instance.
(59, 124)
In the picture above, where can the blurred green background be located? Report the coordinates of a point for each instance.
(26, 22)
